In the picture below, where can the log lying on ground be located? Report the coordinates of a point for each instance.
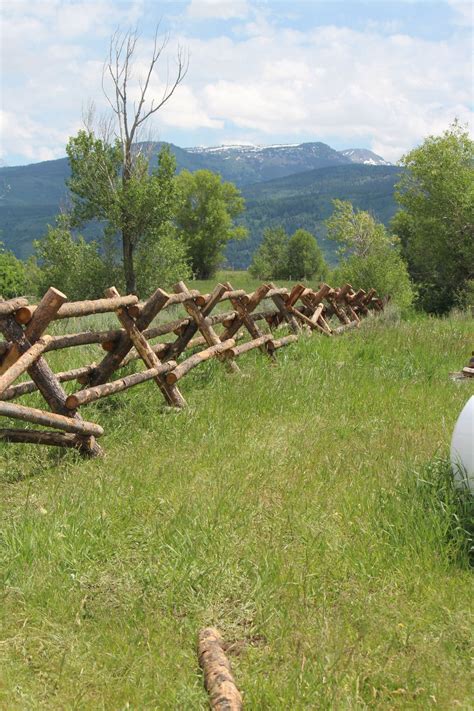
(80, 308)
(12, 305)
(52, 439)
(99, 391)
(50, 419)
(23, 363)
(345, 327)
(218, 680)
(198, 358)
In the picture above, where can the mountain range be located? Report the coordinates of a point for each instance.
(291, 185)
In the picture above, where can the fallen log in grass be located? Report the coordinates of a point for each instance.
(218, 680)
(51, 439)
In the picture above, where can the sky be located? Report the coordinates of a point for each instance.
(368, 74)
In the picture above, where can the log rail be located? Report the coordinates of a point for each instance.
(193, 338)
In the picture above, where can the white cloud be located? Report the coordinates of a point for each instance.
(31, 139)
(334, 81)
(262, 84)
(217, 9)
(464, 12)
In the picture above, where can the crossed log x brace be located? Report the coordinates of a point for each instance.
(26, 343)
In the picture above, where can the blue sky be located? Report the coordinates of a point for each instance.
(374, 74)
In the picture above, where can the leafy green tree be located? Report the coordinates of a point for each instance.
(71, 264)
(110, 180)
(305, 259)
(356, 231)
(271, 257)
(161, 261)
(436, 220)
(136, 208)
(12, 275)
(207, 208)
(383, 269)
(370, 256)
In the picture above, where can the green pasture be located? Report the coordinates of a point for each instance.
(304, 508)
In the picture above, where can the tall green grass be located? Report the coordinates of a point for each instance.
(306, 509)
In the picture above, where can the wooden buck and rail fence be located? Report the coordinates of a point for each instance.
(199, 336)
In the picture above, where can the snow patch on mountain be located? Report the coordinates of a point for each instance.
(364, 156)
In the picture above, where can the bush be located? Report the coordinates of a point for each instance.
(305, 259)
(282, 257)
(271, 258)
(72, 265)
(12, 275)
(384, 270)
(161, 261)
(370, 255)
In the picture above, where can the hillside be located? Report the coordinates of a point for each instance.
(305, 200)
(34, 194)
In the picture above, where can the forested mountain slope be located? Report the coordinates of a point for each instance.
(289, 184)
(305, 200)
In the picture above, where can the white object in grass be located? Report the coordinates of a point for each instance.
(462, 447)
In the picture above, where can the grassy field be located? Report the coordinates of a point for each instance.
(305, 509)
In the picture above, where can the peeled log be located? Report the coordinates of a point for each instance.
(23, 363)
(197, 359)
(346, 327)
(265, 340)
(45, 312)
(80, 308)
(280, 342)
(218, 680)
(52, 439)
(10, 306)
(99, 391)
(50, 419)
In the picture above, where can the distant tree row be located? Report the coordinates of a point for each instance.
(283, 257)
(427, 255)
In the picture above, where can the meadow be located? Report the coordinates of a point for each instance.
(304, 508)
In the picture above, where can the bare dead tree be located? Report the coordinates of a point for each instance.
(131, 115)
